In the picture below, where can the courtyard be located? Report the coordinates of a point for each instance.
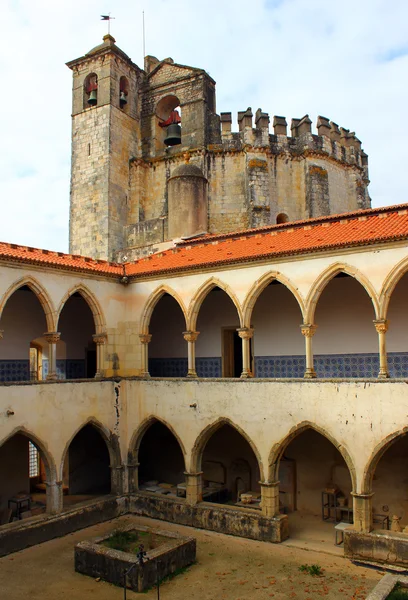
(227, 567)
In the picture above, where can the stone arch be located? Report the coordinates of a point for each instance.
(259, 286)
(41, 294)
(207, 433)
(279, 448)
(389, 285)
(378, 452)
(110, 439)
(324, 278)
(92, 302)
(137, 437)
(49, 461)
(152, 302)
(200, 296)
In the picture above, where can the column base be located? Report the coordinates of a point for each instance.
(310, 374)
(383, 374)
(192, 373)
(246, 375)
(145, 374)
(52, 377)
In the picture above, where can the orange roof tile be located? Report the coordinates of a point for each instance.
(22, 254)
(363, 227)
(349, 229)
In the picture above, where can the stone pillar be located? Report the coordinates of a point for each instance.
(270, 498)
(381, 326)
(53, 493)
(145, 339)
(100, 340)
(363, 512)
(191, 338)
(117, 475)
(308, 330)
(52, 338)
(133, 477)
(194, 488)
(246, 333)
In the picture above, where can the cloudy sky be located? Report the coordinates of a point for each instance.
(344, 59)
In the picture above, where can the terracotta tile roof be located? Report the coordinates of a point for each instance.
(360, 228)
(47, 258)
(347, 230)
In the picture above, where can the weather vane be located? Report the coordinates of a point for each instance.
(107, 18)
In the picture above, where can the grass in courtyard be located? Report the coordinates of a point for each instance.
(314, 570)
(129, 541)
(398, 593)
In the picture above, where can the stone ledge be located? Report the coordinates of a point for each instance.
(385, 586)
(384, 547)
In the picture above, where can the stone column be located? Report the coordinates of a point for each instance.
(117, 475)
(53, 493)
(191, 338)
(308, 330)
(133, 477)
(363, 512)
(270, 498)
(52, 338)
(246, 333)
(145, 339)
(100, 340)
(381, 326)
(194, 488)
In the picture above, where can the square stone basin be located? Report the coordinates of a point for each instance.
(166, 553)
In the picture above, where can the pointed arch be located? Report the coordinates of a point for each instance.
(152, 302)
(40, 293)
(279, 448)
(389, 285)
(376, 455)
(207, 433)
(108, 437)
(91, 301)
(324, 278)
(200, 296)
(49, 462)
(138, 434)
(259, 286)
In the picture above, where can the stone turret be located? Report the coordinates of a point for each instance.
(131, 192)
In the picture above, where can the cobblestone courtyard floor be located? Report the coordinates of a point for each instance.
(227, 568)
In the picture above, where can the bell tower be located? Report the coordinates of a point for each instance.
(105, 136)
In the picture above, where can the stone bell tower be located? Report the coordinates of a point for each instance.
(105, 134)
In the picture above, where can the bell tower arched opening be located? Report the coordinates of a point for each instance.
(168, 122)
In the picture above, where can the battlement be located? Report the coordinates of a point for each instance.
(332, 140)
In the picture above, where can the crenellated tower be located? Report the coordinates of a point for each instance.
(132, 131)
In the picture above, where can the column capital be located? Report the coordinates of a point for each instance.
(191, 336)
(269, 484)
(145, 338)
(362, 495)
(50, 484)
(188, 474)
(100, 338)
(381, 325)
(308, 329)
(52, 337)
(245, 333)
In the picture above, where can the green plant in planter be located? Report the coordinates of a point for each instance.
(398, 593)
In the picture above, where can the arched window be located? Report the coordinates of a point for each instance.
(123, 92)
(282, 218)
(168, 128)
(91, 90)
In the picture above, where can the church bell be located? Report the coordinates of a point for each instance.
(122, 99)
(173, 136)
(93, 99)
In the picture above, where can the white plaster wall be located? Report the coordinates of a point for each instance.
(217, 311)
(397, 335)
(166, 326)
(23, 321)
(276, 319)
(344, 317)
(76, 325)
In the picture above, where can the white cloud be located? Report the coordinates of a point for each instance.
(347, 61)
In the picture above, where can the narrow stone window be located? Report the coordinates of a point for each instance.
(91, 90)
(123, 93)
(282, 218)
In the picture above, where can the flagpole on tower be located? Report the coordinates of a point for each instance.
(107, 18)
(144, 40)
